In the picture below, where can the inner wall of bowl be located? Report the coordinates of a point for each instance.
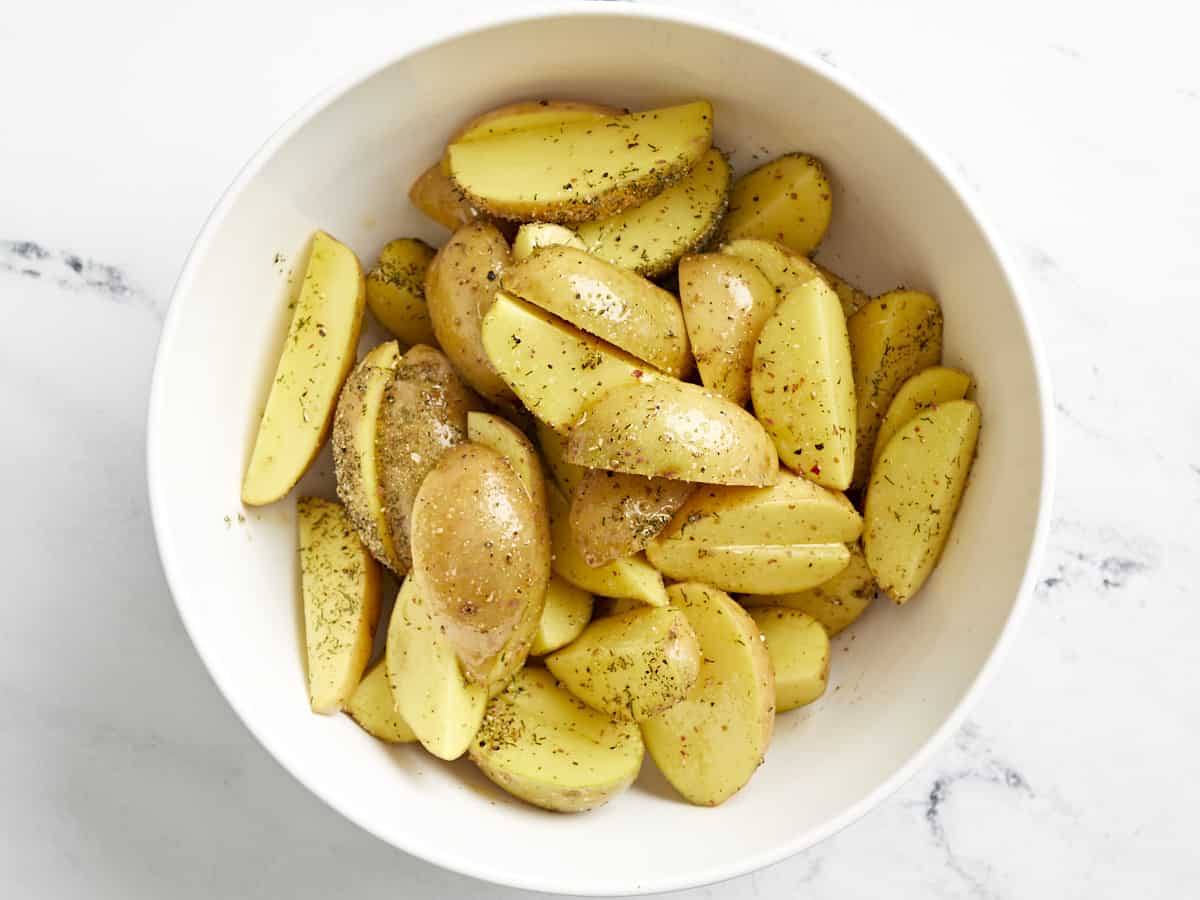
(896, 676)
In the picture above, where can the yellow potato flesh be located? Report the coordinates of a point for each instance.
(799, 649)
(317, 356)
(803, 385)
(750, 569)
(553, 444)
(567, 612)
(837, 603)
(374, 709)
(507, 440)
(533, 235)
(396, 290)
(784, 268)
(709, 745)
(526, 114)
(852, 298)
(927, 388)
(787, 200)
(340, 584)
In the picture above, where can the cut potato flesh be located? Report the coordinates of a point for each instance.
(443, 710)
(567, 611)
(525, 114)
(914, 494)
(534, 235)
(507, 440)
(355, 424)
(553, 444)
(575, 171)
(340, 585)
(396, 290)
(803, 385)
(650, 238)
(799, 649)
(837, 603)
(554, 368)
(852, 298)
(615, 515)
(632, 666)
(709, 745)
(930, 387)
(787, 200)
(671, 429)
(541, 744)
(317, 356)
(373, 707)
(750, 569)
(783, 267)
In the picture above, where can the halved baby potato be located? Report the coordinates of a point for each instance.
(316, 359)
(396, 290)
(632, 666)
(787, 200)
(548, 748)
(914, 494)
(799, 649)
(852, 298)
(651, 237)
(837, 603)
(567, 611)
(533, 235)
(784, 268)
(339, 581)
(575, 171)
(750, 568)
(927, 388)
(614, 514)
(803, 385)
(506, 439)
(373, 707)
(525, 114)
(612, 303)
(709, 745)
(434, 194)
(671, 429)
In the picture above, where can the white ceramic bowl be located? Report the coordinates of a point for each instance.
(344, 164)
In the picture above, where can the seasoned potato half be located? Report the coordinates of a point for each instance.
(481, 559)
(791, 511)
(525, 114)
(670, 429)
(803, 385)
(541, 744)
(567, 611)
(575, 171)
(630, 577)
(340, 585)
(317, 356)
(396, 290)
(927, 388)
(533, 235)
(914, 494)
(460, 286)
(710, 744)
(434, 194)
(553, 444)
(726, 300)
(506, 439)
(355, 462)
(852, 298)
(750, 568)
(373, 707)
(799, 649)
(554, 368)
(892, 338)
(651, 237)
(612, 303)
(422, 415)
(615, 515)
(632, 666)
(785, 268)
(787, 200)
(441, 707)
(837, 603)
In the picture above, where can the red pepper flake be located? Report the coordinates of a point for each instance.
(638, 373)
(816, 469)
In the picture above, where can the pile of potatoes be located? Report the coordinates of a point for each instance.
(634, 455)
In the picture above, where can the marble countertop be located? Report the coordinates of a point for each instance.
(123, 772)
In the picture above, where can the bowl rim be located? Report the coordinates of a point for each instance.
(347, 81)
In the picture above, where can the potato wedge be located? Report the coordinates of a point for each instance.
(355, 462)
(575, 171)
(553, 444)
(726, 300)
(791, 511)
(525, 114)
(316, 359)
(434, 194)
(555, 369)
(630, 577)
(544, 746)
(852, 298)
(670, 429)
(533, 235)
(396, 290)
(837, 603)
(788, 200)
(709, 745)
(373, 707)
(750, 569)
(803, 385)
(339, 581)
(892, 338)
(615, 515)
(507, 440)
(799, 649)
(914, 494)
(431, 695)
(567, 612)
(650, 238)
(604, 300)
(460, 287)
(927, 388)
(632, 666)
(422, 415)
(785, 268)
(481, 559)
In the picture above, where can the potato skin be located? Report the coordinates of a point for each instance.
(434, 194)
(614, 514)
(481, 557)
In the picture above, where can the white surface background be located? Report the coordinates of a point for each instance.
(122, 771)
